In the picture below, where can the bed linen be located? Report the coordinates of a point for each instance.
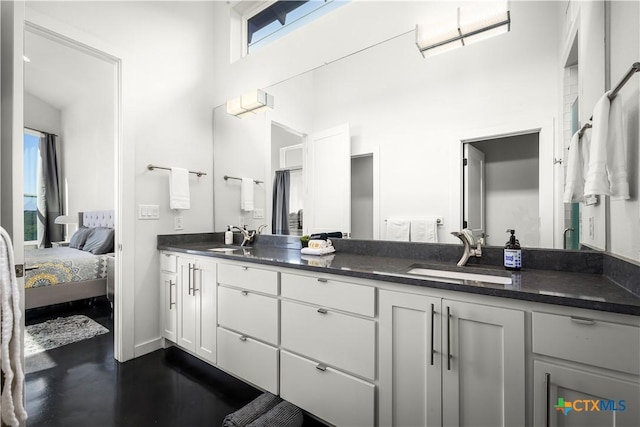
(62, 265)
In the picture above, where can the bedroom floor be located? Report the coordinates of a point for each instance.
(81, 384)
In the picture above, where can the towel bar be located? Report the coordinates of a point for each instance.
(226, 177)
(152, 167)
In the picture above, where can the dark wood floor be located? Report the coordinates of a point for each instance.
(81, 384)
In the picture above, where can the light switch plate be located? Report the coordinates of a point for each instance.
(148, 212)
(258, 214)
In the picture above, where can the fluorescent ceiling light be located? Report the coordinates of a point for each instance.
(249, 103)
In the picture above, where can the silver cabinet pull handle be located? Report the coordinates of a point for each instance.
(321, 367)
(322, 280)
(190, 278)
(245, 293)
(449, 339)
(322, 311)
(171, 303)
(547, 382)
(194, 279)
(433, 313)
(583, 320)
(245, 268)
(243, 338)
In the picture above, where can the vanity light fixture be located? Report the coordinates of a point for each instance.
(249, 103)
(473, 26)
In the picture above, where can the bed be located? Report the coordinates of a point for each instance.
(64, 274)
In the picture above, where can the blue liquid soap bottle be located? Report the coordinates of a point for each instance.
(512, 253)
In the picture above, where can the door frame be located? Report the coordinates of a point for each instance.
(124, 201)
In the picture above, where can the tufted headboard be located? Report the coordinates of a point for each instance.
(94, 219)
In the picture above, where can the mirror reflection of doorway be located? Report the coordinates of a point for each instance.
(287, 214)
(511, 189)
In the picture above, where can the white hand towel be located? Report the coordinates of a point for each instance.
(246, 194)
(398, 229)
(577, 162)
(424, 230)
(617, 153)
(179, 197)
(12, 408)
(596, 176)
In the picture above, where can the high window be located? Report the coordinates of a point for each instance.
(272, 20)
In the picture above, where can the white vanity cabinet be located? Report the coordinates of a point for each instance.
(445, 362)
(328, 337)
(197, 305)
(168, 295)
(580, 375)
(248, 319)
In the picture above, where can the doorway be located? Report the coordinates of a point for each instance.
(362, 225)
(72, 91)
(511, 187)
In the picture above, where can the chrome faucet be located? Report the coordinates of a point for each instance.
(262, 227)
(467, 240)
(247, 236)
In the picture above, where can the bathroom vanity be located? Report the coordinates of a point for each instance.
(356, 341)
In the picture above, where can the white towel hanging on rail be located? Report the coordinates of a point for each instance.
(12, 408)
(246, 194)
(179, 197)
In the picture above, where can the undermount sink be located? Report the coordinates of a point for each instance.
(499, 277)
(223, 250)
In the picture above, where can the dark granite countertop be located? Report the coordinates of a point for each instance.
(575, 289)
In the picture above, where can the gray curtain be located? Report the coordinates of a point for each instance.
(280, 217)
(49, 194)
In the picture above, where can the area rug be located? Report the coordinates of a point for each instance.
(58, 332)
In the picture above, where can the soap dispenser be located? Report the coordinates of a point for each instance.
(512, 253)
(228, 236)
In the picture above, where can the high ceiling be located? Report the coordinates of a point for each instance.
(60, 74)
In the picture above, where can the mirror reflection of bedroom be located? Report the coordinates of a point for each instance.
(69, 194)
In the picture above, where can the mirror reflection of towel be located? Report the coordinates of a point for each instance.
(424, 230)
(398, 229)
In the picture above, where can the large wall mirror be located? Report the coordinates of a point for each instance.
(410, 121)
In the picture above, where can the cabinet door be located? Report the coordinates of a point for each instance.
(186, 334)
(409, 358)
(204, 291)
(483, 365)
(578, 398)
(168, 308)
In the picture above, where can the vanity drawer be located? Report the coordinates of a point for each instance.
(251, 360)
(249, 313)
(255, 279)
(590, 341)
(168, 262)
(330, 293)
(340, 340)
(338, 398)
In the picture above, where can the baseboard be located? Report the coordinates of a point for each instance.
(147, 347)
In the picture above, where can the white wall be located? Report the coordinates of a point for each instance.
(41, 116)
(416, 110)
(624, 50)
(169, 67)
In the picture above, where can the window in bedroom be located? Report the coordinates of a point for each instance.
(274, 19)
(31, 153)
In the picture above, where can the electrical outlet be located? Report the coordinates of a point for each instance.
(179, 223)
(258, 214)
